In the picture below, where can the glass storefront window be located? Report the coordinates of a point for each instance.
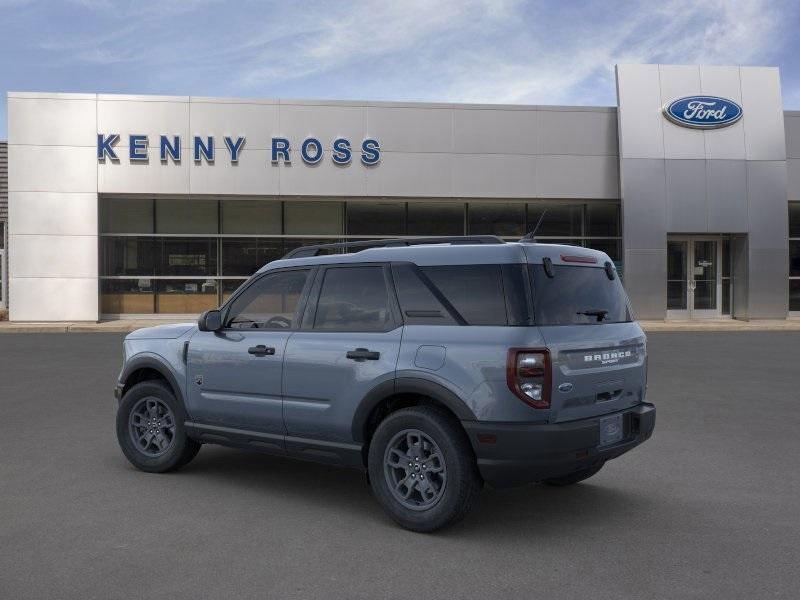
(611, 247)
(292, 243)
(229, 286)
(603, 219)
(794, 219)
(147, 241)
(794, 258)
(376, 219)
(504, 219)
(559, 219)
(435, 218)
(794, 295)
(245, 256)
(126, 215)
(312, 218)
(257, 217)
(188, 256)
(196, 215)
(129, 255)
(185, 296)
(127, 296)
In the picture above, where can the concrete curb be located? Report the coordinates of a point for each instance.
(86, 327)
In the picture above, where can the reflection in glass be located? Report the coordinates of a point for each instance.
(435, 218)
(602, 219)
(188, 256)
(312, 218)
(794, 294)
(245, 256)
(794, 219)
(128, 255)
(127, 296)
(611, 247)
(126, 215)
(229, 286)
(185, 296)
(705, 275)
(559, 219)
(257, 217)
(794, 258)
(376, 218)
(195, 215)
(504, 219)
(676, 276)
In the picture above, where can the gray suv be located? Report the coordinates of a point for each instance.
(434, 364)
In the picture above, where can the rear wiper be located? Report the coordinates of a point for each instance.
(599, 313)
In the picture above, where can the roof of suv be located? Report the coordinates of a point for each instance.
(448, 254)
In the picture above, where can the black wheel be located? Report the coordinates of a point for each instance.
(422, 469)
(150, 429)
(574, 477)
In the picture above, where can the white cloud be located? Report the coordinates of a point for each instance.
(710, 32)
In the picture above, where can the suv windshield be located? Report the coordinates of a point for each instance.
(577, 296)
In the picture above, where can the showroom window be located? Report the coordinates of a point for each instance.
(794, 257)
(184, 255)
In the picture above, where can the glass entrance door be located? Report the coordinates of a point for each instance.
(693, 278)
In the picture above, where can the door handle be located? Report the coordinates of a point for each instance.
(261, 350)
(363, 354)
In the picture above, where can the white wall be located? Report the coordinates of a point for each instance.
(52, 202)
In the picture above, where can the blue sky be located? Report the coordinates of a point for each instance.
(501, 51)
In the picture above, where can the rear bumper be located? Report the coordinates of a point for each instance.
(512, 454)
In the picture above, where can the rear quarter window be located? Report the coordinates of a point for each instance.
(475, 291)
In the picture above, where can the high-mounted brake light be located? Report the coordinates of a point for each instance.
(528, 374)
(590, 260)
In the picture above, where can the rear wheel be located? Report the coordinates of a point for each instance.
(575, 477)
(422, 469)
(150, 429)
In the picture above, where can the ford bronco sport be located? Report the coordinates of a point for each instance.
(434, 364)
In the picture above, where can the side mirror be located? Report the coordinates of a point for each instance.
(210, 320)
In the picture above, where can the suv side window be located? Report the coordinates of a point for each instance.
(475, 291)
(418, 302)
(353, 299)
(271, 302)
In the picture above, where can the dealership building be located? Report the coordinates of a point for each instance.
(161, 206)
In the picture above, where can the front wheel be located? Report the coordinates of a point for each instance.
(150, 429)
(422, 469)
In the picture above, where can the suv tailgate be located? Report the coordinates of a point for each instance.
(597, 369)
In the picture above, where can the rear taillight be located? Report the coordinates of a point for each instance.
(528, 375)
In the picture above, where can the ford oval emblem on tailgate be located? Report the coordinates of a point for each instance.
(565, 387)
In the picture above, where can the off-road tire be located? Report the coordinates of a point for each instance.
(181, 448)
(461, 486)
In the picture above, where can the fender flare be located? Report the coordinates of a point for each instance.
(152, 362)
(407, 385)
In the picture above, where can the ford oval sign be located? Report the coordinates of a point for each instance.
(703, 112)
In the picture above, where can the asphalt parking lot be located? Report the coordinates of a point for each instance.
(709, 508)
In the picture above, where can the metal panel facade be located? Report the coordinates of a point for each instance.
(715, 181)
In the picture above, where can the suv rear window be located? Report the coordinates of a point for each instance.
(577, 296)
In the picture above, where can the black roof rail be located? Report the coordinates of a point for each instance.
(341, 247)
